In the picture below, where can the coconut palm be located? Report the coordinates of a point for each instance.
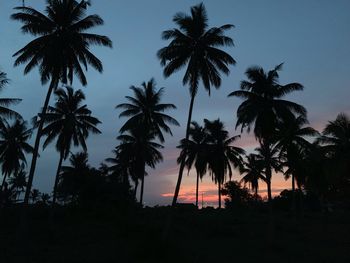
(139, 146)
(267, 154)
(145, 109)
(263, 104)
(253, 172)
(18, 182)
(14, 147)
(69, 122)
(60, 50)
(34, 195)
(223, 156)
(194, 152)
(5, 112)
(195, 47)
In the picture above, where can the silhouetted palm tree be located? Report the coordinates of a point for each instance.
(195, 47)
(70, 123)
(194, 151)
(60, 49)
(145, 109)
(267, 154)
(13, 147)
(5, 112)
(263, 105)
(18, 182)
(222, 154)
(253, 172)
(34, 195)
(141, 149)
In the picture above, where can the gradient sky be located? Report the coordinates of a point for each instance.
(312, 38)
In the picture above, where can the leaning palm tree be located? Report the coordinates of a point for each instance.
(69, 122)
(13, 147)
(263, 104)
(196, 47)
(60, 51)
(5, 112)
(253, 172)
(194, 152)
(223, 156)
(141, 149)
(145, 109)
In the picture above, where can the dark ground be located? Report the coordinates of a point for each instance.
(106, 235)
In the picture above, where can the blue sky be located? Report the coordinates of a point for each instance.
(312, 38)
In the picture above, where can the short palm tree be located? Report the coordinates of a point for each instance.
(263, 103)
(145, 109)
(268, 155)
(223, 156)
(14, 147)
(195, 47)
(60, 50)
(142, 150)
(252, 172)
(69, 122)
(120, 166)
(5, 112)
(18, 182)
(194, 152)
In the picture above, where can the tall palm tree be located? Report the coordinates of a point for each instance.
(253, 172)
(70, 123)
(60, 50)
(145, 109)
(196, 47)
(263, 103)
(141, 149)
(267, 154)
(13, 147)
(194, 152)
(223, 155)
(5, 112)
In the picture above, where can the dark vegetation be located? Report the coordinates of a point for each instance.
(93, 213)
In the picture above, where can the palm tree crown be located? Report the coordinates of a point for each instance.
(263, 105)
(197, 46)
(62, 43)
(253, 172)
(145, 109)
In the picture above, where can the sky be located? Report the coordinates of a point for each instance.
(311, 37)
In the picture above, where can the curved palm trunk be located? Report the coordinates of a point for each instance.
(53, 86)
(142, 184)
(56, 180)
(197, 186)
(219, 193)
(268, 182)
(182, 165)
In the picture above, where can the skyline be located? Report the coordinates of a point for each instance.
(252, 47)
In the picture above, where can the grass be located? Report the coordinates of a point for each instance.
(106, 235)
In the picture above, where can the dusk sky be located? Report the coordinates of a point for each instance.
(311, 37)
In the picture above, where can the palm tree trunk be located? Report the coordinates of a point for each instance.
(135, 188)
(182, 165)
(219, 193)
(293, 195)
(197, 185)
(142, 184)
(56, 180)
(3, 181)
(53, 86)
(268, 182)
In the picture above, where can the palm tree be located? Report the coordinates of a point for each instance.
(253, 172)
(145, 109)
(263, 104)
(291, 142)
(141, 149)
(267, 154)
(222, 154)
(13, 147)
(60, 49)
(196, 47)
(70, 123)
(5, 102)
(18, 182)
(194, 151)
(34, 195)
